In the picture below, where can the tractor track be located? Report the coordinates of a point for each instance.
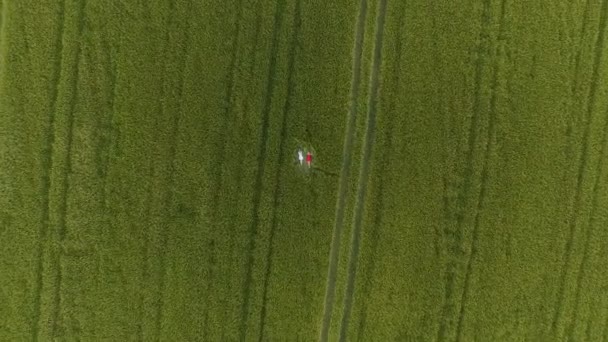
(239, 172)
(589, 230)
(146, 267)
(368, 143)
(221, 156)
(63, 207)
(345, 172)
(159, 296)
(449, 310)
(577, 60)
(591, 100)
(169, 196)
(106, 126)
(488, 149)
(605, 333)
(282, 158)
(65, 161)
(379, 197)
(47, 161)
(263, 150)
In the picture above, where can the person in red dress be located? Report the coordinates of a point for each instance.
(308, 158)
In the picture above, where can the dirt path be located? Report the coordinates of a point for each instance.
(344, 173)
(368, 142)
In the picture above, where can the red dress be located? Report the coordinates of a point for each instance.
(308, 158)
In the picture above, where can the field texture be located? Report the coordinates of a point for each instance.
(148, 186)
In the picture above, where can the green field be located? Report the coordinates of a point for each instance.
(148, 186)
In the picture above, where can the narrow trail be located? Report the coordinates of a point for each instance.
(368, 142)
(344, 173)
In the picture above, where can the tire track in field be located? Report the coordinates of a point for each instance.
(369, 139)
(220, 157)
(3, 34)
(379, 196)
(282, 160)
(228, 96)
(170, 191)
(159, 300)
(577, 60)
(26, 43)
(569, 149)
(456, 245)
(345, 172)
(599, 45)
(484, 175)
(47, 163)
(262, 148)
(575, 82)
(590, 225)
(62, 224)
(489, 148)
(106, 124)
(439, 238)
(596, 185)
(605, 337)
(145, 275)
(246, 105)
(147, 268)
(444, 235)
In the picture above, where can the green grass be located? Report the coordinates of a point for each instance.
(148, 187)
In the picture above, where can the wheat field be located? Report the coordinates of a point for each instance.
(149, 187)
